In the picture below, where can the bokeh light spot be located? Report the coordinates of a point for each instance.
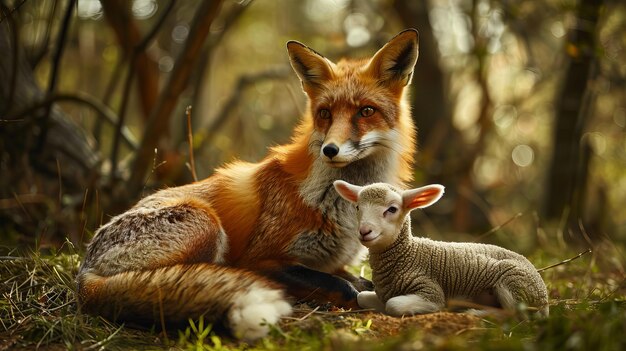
(523, 155)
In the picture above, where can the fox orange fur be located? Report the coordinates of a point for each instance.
(233, 247)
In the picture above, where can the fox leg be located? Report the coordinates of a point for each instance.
(157, 265)
(308, 284)
(360, 283)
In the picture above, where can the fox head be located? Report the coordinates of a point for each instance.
(356, 107)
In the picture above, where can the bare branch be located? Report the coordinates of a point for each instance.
(496, 228)
(15, 53)
(108, 93)
(103, 111)
(10, 12)
(36, 57)
(233, 101)
(229, 20)
(147, 39)
(55, 68)
(179, 78)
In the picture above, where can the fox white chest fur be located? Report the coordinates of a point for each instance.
(331, 247)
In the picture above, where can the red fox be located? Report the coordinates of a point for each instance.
(238, 246)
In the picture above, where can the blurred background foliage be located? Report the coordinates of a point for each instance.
(521, 107)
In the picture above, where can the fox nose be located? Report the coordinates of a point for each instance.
(330, 150)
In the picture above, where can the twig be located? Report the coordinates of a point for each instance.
(162, 315)
(564, 262)
(60, 182)
(100, 344)
(83, 217)
(299, 319)
(117, 134)
(233, 101)
(20, 200)
(106, 99)
(55, 70)
(155, 166)
(36, 57)
(192, 162)
(11, 11)
(496, 228)
(455, 303)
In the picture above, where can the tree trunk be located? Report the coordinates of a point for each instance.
(429, 100)
(567, 171)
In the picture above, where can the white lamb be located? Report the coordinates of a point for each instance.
(417, 275)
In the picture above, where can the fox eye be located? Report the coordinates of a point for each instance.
(392, 209)
(367, 111)
(324, 113)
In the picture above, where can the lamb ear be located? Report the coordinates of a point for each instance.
(312, 68)
(421, 197)
(347, 191)
(393, 63)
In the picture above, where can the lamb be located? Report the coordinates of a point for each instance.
(417, 275)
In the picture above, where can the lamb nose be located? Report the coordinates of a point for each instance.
(330, 150)
(364, 231)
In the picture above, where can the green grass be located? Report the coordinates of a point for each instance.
(38, 310)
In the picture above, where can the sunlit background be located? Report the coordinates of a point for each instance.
(485, 94)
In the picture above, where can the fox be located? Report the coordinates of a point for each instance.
(241, 246)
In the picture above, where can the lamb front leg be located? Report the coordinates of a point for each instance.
(410, 304)
(426, 300)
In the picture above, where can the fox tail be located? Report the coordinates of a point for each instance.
(240, 300)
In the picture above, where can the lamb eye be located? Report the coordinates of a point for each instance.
(367, 111)
(392, 209)
(324, 113)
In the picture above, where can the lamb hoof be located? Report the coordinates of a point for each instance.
(369, 300)
(408, 305)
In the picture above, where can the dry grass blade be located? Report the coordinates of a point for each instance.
(38, 308)
(565, 261)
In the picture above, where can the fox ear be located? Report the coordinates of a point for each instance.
(347, 191)
(394, 62)
(312, 68)
(421, 197)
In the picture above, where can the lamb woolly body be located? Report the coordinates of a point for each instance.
(416, 275)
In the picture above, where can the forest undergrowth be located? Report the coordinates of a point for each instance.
(38, 309)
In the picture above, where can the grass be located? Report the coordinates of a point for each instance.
(588, 295)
